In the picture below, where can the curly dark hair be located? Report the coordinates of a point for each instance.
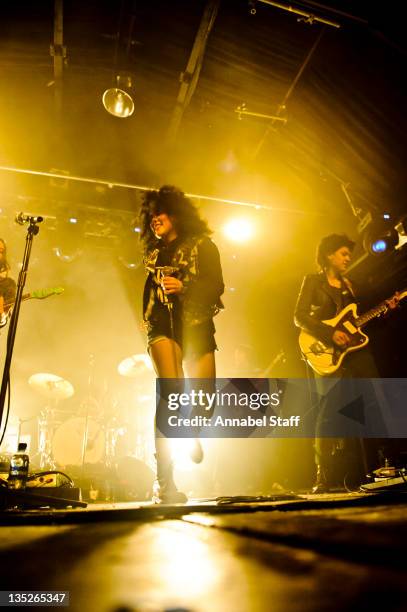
(172, 201)
(330, 244)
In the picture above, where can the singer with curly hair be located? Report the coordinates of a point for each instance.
(181, 296)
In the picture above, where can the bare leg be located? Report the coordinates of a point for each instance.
(202, 367)
(167, 360)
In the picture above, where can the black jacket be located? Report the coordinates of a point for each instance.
(318, 301)
(202, 278)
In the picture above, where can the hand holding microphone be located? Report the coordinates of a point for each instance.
(171, 285)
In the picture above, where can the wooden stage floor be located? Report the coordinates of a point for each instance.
(305, 553)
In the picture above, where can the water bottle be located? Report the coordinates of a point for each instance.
(19, 463)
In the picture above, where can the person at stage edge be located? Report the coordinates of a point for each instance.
(7, 285)
(323, 296)
(181, 296)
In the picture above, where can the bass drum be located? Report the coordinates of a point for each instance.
(67, 443)
(134, 480)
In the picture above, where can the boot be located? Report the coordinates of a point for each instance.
(164, 488)
(324, 451)
(167, 493)
(321, 484)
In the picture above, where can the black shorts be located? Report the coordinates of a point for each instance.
(194, 340)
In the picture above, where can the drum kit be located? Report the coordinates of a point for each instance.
(98, 435)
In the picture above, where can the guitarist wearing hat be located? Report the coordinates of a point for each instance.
(322, 297)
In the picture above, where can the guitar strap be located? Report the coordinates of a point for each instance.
(348, 285)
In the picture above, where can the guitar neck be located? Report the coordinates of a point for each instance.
(378, 310)
(26, 296)
(275, 361)
(371, 314)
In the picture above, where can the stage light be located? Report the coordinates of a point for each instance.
(67, 256)
(379, 246)
(239, 230)
(380, 237)
(130, 264)
(117, 100)
(229, 164)
(68, 238)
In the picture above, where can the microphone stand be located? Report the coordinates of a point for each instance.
(18, 497)
(32, 231)
(167, 271)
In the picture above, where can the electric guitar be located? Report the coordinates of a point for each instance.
(327, 359)
(40, 294)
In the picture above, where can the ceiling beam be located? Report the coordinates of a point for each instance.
(189, 78)
(58, 53)
(283, 104)
(306, 16)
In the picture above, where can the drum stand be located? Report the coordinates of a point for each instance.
(87, 403)
(110, 434)
(20, 424)
(46, 428)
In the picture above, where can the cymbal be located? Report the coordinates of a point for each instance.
(135, 366)
(51, 386)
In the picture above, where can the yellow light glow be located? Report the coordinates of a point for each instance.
(239, 230)
(181, 453)
(187, 564)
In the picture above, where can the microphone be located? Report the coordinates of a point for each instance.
(22, 218)
(166, 271)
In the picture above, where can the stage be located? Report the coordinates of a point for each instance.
(325, 552)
